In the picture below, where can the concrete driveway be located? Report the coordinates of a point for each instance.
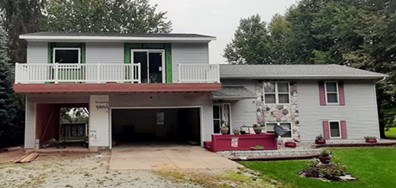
(156, 157)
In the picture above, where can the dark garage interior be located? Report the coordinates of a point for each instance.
(159, 126)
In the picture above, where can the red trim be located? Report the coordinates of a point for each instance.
(343, 130)
(322, 93)
(116, 88)
(341, 93)
(326, 131)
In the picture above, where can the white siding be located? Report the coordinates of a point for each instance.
(104, 53)
(37, 52)
(183, 53)
(170, 100)
(360, 110)
(30, 123)
(243, 111)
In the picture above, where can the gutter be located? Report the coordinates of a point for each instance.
(383, 79)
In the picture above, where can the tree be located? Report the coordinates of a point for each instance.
(11, 127)
(20, 17)
(123, 16)
(250, 44)
(279, 29)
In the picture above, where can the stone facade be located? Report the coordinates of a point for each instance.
(287, 113)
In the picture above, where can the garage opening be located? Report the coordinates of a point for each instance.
(156, 126)
(61, 125)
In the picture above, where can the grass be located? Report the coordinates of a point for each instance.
(391, 133)
(374, 167)
(243, 178)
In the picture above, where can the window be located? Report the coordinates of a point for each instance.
(335, 131)
(66, 55)
(331, 92)
(276, 93)
(221, 114)
(269, 128)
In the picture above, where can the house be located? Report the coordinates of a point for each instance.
(161, 87)
(336, 101)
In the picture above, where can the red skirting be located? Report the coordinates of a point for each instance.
(241, 142)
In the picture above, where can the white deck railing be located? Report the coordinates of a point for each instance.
(86, 73)
(26, 73)
(198, 73)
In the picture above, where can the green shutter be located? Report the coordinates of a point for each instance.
(168, 62)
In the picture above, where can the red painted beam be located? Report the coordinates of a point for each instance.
(116, 88)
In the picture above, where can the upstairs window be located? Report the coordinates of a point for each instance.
(67, 55)
(276, 92)
(331, 92)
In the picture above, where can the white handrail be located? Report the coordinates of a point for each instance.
(26, 73)
(198, 73)
(85, 73)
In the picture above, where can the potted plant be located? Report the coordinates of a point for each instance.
(371, 139)
(257, 128)
(224, 128)
(236, 131)
(325, 157)
(320, 140)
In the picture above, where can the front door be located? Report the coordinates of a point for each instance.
(152, 66)
(221, 115)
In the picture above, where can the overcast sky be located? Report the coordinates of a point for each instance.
(218, 18)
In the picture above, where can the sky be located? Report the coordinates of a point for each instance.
(218, 18)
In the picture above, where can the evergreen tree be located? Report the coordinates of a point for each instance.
(11, 127)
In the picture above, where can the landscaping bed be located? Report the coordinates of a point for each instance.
(372, 166)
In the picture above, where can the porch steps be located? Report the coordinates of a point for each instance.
(271, 154)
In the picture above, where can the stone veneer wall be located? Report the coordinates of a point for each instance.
(279, 113)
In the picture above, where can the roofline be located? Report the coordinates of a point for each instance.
(232, 97)
(116, 38)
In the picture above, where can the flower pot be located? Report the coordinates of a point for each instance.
(224, 130)
(290, 144)
(257, 130)
(371, 140)
(325, 159)
(323, 141)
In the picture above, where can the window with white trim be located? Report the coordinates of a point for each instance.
(335, 129)
(276, 92)
(269, 128)
(331, 89)
(67, 55)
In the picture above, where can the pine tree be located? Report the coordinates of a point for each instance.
(11, 127)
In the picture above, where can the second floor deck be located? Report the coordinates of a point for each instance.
(102, 77)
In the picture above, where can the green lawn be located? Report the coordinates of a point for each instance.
(374, 167)
(391, 133)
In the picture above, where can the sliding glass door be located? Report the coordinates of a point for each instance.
(152, 64)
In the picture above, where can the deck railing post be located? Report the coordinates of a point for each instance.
(97, 73)
(179, 73)
(56, 73)
(17, 79)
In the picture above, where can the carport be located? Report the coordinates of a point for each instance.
(156, 125)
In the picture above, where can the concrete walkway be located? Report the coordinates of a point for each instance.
(156, 157)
